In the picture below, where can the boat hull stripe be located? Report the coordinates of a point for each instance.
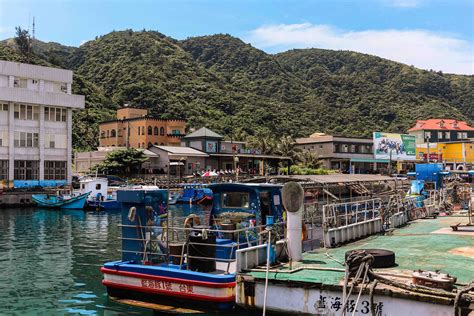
(162, 278)
(197, 297)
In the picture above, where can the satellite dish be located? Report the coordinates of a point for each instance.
(292, 195)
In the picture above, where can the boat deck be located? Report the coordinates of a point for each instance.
(427, 244)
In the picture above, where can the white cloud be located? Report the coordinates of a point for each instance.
(421, 48)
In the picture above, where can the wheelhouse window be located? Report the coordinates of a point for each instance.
(235, 200)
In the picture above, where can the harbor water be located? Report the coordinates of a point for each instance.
(50, 260)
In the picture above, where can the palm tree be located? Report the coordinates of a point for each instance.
(264, 143)
(287, 147)
(310, 160)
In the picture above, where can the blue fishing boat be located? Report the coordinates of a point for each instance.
(195, 194)
(101, 197)
(192, 266)
(61, 200)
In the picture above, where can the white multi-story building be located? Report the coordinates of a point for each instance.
(36, 107)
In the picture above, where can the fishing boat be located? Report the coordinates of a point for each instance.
(195, 194)
(101, 196)
(62, 199)
(192, 266)
(419, 269)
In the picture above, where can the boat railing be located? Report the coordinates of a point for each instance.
(344, 214)
(180, 250)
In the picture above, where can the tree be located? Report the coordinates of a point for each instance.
(264, 143)
(122, 161)
(23, 41)
(286, 147)
(310, 160)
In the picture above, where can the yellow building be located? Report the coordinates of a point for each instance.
(457, 155)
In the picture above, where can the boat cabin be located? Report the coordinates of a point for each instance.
(256, 200)
(97, 186)
(141, 208)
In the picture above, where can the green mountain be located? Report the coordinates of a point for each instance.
(228, 85)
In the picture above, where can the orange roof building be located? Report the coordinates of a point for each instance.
(441, 130)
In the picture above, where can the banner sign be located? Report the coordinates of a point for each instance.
(394, 146)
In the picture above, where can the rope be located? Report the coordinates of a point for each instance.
(457, 310)
(356, 263)
(371, 297)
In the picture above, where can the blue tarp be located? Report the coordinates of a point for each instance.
(36, 183)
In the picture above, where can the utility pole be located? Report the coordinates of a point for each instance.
(428, 147)
(33, 31)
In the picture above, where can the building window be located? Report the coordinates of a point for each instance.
(150, 130)
(138, 130)
(55, 141)
(55, 170)
(4, 139)
(112, 133)
(108, 133)
(19, 83)
(25, 139)
(150, 144)
(26, 112)
(63, 87)
(102, 134)
(162, 131)
(440, 135)
(462, 135)
(427, 135)
(26, 170)
(155, 131)
(3, 106)
(3, 169)
(446, 135)
(143, 145)
(53, 114)
(176, 132)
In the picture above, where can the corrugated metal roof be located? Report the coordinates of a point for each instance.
(185, 151)
(343, 178)
(203, 132)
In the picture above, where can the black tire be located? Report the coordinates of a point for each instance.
(382, 258)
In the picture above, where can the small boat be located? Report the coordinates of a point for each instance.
(195, 194)
(61, 200)
(101, 197)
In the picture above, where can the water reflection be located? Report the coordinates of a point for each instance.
(50, 260)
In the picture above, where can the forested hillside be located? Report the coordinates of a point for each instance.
(227, 85)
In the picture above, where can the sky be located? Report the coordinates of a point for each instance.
(429, 34)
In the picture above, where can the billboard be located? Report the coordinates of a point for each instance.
(394, 146)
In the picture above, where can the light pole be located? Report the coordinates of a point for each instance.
(427, 138)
